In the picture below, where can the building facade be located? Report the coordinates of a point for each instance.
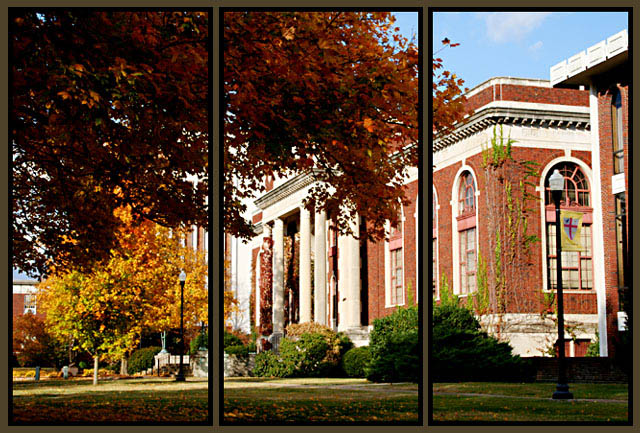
(318, 275)
(550, 125)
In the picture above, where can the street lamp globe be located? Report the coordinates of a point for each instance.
(556, 181)
(182, 277)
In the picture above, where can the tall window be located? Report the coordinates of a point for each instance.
(467, 232)
(434, 251)
(577, 266)
(395, 249)
(616, 132)
(621, 239)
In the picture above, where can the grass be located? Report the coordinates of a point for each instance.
(323, 400)
(132, 400)
(529, 402)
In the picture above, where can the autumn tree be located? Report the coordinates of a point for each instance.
(34, 345)
(334, 91)
(106, 310)
(107, 109)
(447, 95)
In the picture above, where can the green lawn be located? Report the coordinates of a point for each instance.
(529, 402)
(130, 400)
(281, 401)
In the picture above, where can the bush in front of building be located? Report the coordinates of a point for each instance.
(142, 359)
(237, 350)
(34, 345)
(231, 339)
(394, 345)
(461, 351)
(201, 340)
(355, 360)
(305, 354)
(268, 364)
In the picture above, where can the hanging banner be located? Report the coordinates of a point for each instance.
(571, 224)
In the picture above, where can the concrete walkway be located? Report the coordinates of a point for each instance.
(471, 394)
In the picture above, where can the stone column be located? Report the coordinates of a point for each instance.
(305, 265)
(278, 276)
(320, 269)
(349, 278)
(353, 269)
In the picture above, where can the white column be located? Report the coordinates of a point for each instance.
(598, 239)
(305, 265)
(343, 283)
(351, 272)
(320, 270)
(353, 263)
(278, 276)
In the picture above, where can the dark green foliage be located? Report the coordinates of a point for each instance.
(355, 360)
(307, 357)
(269, 365)
(201, 340)
(395, 347)
(231, 340)
(142, 359)
(461, 351)
(83, 365)
(237, 350)
(314, 354)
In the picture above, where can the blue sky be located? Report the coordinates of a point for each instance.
(408, 23)
(517, 44)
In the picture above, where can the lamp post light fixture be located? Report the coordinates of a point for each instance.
(182, 278)
(556, 184)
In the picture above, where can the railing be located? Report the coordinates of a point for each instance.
(167, 360)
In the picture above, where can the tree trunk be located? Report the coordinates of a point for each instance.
(124, 366)
(95, 370)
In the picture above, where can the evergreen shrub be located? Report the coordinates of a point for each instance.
(394, 345)
(237, 350)
(231, 339)
(142, 359)
(201, 340)
(461, 351)
(355, 361)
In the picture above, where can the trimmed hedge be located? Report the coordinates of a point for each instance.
(394, 345)
(201, 340)
(461, 351)
(237, 350)
(142, 359)
(355, 361)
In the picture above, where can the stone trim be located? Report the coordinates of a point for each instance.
(493, 114)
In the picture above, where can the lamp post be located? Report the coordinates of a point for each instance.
(182, 278)
(556, 184)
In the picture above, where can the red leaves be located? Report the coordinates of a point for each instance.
(332, 92)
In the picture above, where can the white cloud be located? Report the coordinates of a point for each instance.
(506, 26)
(536, 47)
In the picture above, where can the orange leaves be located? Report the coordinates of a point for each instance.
(289, 33)
(368, 124)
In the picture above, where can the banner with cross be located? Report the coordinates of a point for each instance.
(571, 224)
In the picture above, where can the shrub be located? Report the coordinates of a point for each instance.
(461, 351)
(231, 339)
(355, 360)
(142, 359)
(394, 346)
(237, 350)
(338, 343)
(201, 340)
(83, 365)
(268, 364)
(308, 356)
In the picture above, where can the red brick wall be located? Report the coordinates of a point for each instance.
(608, 201)
(512, 92)
(444, 179)
(376, 263)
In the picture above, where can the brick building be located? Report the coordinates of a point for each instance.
(343, 282)
(560, 126)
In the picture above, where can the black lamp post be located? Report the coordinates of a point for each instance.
(556, 184)
(182, 278)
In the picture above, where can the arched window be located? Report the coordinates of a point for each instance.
(467, 196)
(616, 132)
(577, 266)
(467, 232)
